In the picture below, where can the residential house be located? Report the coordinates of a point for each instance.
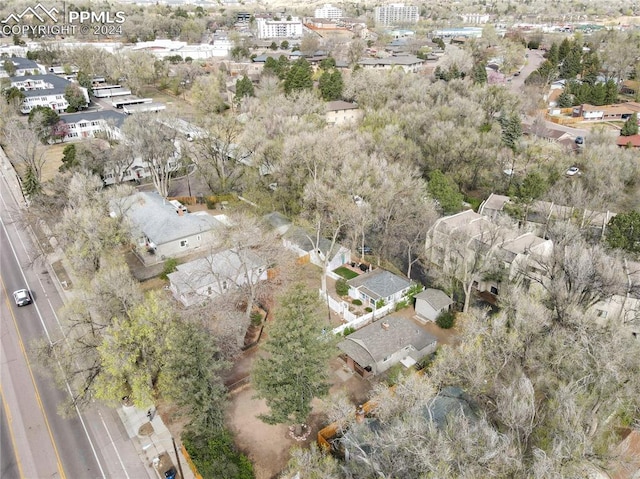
(44, 90)
(431, 303)
(632, 141)
(279, 222)
(383, 344)
(216, 274)
(162, 228)
(87, 124)
(378, 285)
(310, 248)
(630, 87)
(342, 113)
(455, 241)
(23, 67)
(618, 111)
(408, 63)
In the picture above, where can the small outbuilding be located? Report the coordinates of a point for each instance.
(431, 303)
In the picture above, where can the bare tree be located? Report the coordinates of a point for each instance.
(156, 144)
(26, 147)
(218, 155)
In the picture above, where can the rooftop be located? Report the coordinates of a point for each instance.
(58, 85)
(435, 297)
(375, 342)
(104, 115)
(379, 283)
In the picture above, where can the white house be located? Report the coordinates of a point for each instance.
(163, 229)
(23, 67)
(342, 113)
(216, 274)
(271, 28)
(408, 63)
(87, 124)
(378, 285)
(431, 303)
(44, 90)
(383, 344)
(304, 245)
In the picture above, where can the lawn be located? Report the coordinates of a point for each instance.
(346, 273)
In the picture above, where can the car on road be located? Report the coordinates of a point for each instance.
(579, 140)
(574, 170)
(22, 297)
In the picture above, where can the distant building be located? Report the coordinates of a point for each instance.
(270, 28)
(328, 11)
(396, 14)
(87, 124)
(475, 18)
(342, 112)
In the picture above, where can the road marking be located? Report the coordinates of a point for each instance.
(7, 413)
(33, 380)
(46, 332)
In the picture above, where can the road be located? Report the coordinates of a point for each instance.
(91, 444)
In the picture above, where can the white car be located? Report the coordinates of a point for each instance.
(22, 297)
(574, 170)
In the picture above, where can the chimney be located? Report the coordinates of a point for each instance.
(385, 325)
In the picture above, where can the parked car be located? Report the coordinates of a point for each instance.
(574, 170)
(170, 473)
(365, 250)
(22, 297)
(579, 140)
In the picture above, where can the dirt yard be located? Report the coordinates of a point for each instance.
(268, 446)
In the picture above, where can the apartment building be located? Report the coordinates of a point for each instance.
(271, 28)
(44, 90)
(328, 11)
(396, 14)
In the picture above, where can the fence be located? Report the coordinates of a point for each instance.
(352, 320)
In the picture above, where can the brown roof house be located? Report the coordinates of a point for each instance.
(375, 348)
(342, 113)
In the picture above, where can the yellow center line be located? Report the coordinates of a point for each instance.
(7, 413)
(33, 380)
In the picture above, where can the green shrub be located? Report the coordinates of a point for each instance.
(446, 320)
(169, 267)
(348, 330)
(256, 318)
(380, 303)
(394, 374)
(216, 456)
(368, 309)
(401, 304)
(342, 288)
(356, 302)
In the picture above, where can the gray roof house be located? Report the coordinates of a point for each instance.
(375, 348)
(214, 275)
(302, 242)
(44, 90)
(163, 228)
(430, 303)
(376, 285)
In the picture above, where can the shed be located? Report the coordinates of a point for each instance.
(430, 303)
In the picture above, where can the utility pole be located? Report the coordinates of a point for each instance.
(175, 448)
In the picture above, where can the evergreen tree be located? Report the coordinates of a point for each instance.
(244, 87)
(43, 119)
(9, 67)
(552, 54)
(479, 73)
(590, 67)
(299, 77)
(445, 191)
(623, 232)
(511, 130)
(571, 65)
(565, 100)
(611, 92)
(69, 160)
(564, 49)
(330, 85)
(31, 185)
(294, 371)
(630, 126)
(75, 97)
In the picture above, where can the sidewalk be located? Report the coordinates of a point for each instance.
(155, 451)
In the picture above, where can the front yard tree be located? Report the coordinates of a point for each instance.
(299, 77)
(244, 87)
(331, 85)
(75, 97)
(26, 148)
(43, 120)
(9, 67)
(294, 370)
